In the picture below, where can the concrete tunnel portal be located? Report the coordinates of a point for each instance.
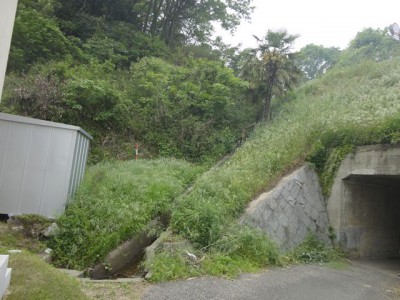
(364, 206)
(372, 215)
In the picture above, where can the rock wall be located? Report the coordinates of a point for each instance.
(290, 210)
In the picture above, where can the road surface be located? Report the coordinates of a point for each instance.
(364, 280)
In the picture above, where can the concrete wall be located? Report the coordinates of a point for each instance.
(7, 16)
(292, 209)
(364, 206)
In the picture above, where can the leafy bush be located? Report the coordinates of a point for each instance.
(37, 39)
(115, 202)
(189, 112)
(197, 112)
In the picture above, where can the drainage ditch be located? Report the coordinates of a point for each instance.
(125, 260)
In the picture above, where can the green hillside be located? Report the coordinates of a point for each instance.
(321, 122)
(136, 73)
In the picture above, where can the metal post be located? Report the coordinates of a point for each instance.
(136, 151)
(7, 17)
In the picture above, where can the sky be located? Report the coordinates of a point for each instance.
(328, 23)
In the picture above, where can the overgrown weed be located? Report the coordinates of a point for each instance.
(116, 201)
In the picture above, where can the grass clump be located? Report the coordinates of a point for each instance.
(116, 201)
(241, 250)
(313, 250)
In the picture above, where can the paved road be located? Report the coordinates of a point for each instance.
(364, 280)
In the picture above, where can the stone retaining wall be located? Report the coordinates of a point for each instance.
(290, 210)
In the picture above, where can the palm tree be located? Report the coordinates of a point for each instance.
(270, 68)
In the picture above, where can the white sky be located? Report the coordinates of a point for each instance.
(327, 23)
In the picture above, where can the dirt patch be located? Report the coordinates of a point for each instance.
(117, 291)
(15, 239)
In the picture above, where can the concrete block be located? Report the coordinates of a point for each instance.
(291, 200)
(5, 274)
(274, 224)
(295, 191)
(3, 264)
(272, 203)
(7, 279)
(288, 211)
(283, 220)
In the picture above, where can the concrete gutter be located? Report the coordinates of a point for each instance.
(126, 253)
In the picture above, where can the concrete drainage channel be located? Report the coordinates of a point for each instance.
(123, 264)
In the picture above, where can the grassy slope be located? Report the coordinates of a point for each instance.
(363, 96)
(321, 122)
(115, 201)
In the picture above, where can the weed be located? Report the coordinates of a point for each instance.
(312, 250)
(115, 202)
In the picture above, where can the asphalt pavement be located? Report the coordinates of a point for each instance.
(363, 280)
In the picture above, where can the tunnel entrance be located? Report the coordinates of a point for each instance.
(371, 219)
(364, 205)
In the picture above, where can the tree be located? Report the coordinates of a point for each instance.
(37, 39)
(370, 44)
(174, 21)
(271, 67)
(316, 60)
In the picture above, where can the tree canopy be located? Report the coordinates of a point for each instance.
(148, 72)
(173, 21)
(316, 60)
(271, 66)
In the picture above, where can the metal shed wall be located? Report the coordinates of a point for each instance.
(41, 165)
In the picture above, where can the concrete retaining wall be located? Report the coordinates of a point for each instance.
(292, 209)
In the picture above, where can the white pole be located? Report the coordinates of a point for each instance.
(8, 9)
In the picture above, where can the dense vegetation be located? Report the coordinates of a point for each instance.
(147, 72)
(321, 122)
(115, 202)
(355, 105)
(132, 72)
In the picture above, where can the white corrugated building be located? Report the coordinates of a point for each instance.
(41, 164)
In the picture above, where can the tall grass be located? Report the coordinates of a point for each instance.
(356, 100)
(115, 201)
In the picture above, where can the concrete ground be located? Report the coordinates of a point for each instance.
(366, 280)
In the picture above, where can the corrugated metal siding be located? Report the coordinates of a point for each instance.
(38, 163)
(79, 163)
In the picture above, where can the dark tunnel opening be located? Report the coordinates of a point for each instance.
(371, 216)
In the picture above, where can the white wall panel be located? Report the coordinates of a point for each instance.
(41, 164)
